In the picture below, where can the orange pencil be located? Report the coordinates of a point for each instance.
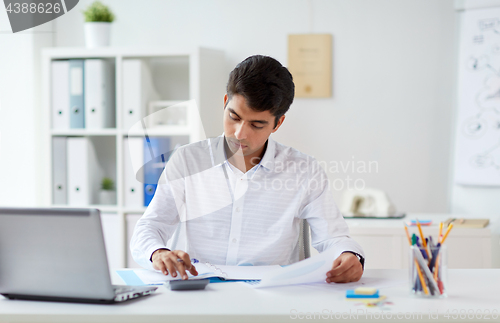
(408, 235)
(450, 226)
(424, 243)
(420, 276)
(422, 281)
(440, 232)
(436, 268)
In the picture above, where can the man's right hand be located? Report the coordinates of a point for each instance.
(168, 262)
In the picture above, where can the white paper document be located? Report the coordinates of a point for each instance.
(205, 270)
(311, 270)
(247, 272)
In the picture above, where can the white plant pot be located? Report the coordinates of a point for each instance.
(97, 34)
(107, 197)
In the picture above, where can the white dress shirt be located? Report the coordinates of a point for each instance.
(229, 217)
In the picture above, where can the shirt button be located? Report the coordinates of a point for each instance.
(234, 240)
(237, 209)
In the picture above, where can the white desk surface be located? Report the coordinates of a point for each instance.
(474, 291)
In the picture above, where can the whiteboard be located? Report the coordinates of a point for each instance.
(477, 157)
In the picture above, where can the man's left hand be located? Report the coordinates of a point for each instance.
(346, 268)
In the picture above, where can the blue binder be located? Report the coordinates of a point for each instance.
(156, 154)
(76, 93)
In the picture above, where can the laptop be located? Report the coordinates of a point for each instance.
(57, 255)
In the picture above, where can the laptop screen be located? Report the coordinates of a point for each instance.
(53, 252)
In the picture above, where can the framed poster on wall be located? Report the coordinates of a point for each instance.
(310, 62)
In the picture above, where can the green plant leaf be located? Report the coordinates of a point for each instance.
(98, 12)
(107, 184)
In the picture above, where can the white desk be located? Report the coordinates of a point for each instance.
(469, 289)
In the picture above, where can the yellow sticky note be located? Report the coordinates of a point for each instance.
(365, 291)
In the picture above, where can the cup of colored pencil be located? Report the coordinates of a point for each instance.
(428, 263)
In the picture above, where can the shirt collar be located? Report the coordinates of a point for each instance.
(268, 158)
(220, 154)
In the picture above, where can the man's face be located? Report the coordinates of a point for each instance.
(247, 130)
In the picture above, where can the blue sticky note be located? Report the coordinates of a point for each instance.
(422, 222)
(351, 294)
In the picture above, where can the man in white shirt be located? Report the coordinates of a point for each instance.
(239, 198)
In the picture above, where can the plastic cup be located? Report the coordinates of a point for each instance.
(428, 271)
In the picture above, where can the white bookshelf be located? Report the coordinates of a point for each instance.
(197, 74)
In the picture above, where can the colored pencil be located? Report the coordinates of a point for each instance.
(408, 235)
(450, 226)
(422, 281)
(424, 243)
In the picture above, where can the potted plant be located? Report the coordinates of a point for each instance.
(98, 19)
(107, 195)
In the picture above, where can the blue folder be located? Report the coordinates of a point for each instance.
(156, 154)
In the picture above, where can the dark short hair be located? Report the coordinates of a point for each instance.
(264, 83)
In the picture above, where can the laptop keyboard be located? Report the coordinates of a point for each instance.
(122, 289)
(123, 293)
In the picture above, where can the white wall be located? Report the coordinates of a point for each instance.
(20, 107)
(393, 77)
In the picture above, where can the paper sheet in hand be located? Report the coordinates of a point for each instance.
(311, 270)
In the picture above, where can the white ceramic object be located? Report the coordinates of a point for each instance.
(367, 202)
(107, 197)
(97, 34)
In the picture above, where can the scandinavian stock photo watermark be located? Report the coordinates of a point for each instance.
(339, 175)
(449, 314)
(26, 14)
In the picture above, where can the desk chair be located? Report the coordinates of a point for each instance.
(304, 240)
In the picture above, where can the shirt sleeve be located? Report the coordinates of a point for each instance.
(328, 227)
(163, 214)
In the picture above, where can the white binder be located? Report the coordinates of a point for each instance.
(138, 90)
(99, 94)
(59, 183)
(77, 93)
(60, 95)
(133, 156)
(83, 172)
(131, 221)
